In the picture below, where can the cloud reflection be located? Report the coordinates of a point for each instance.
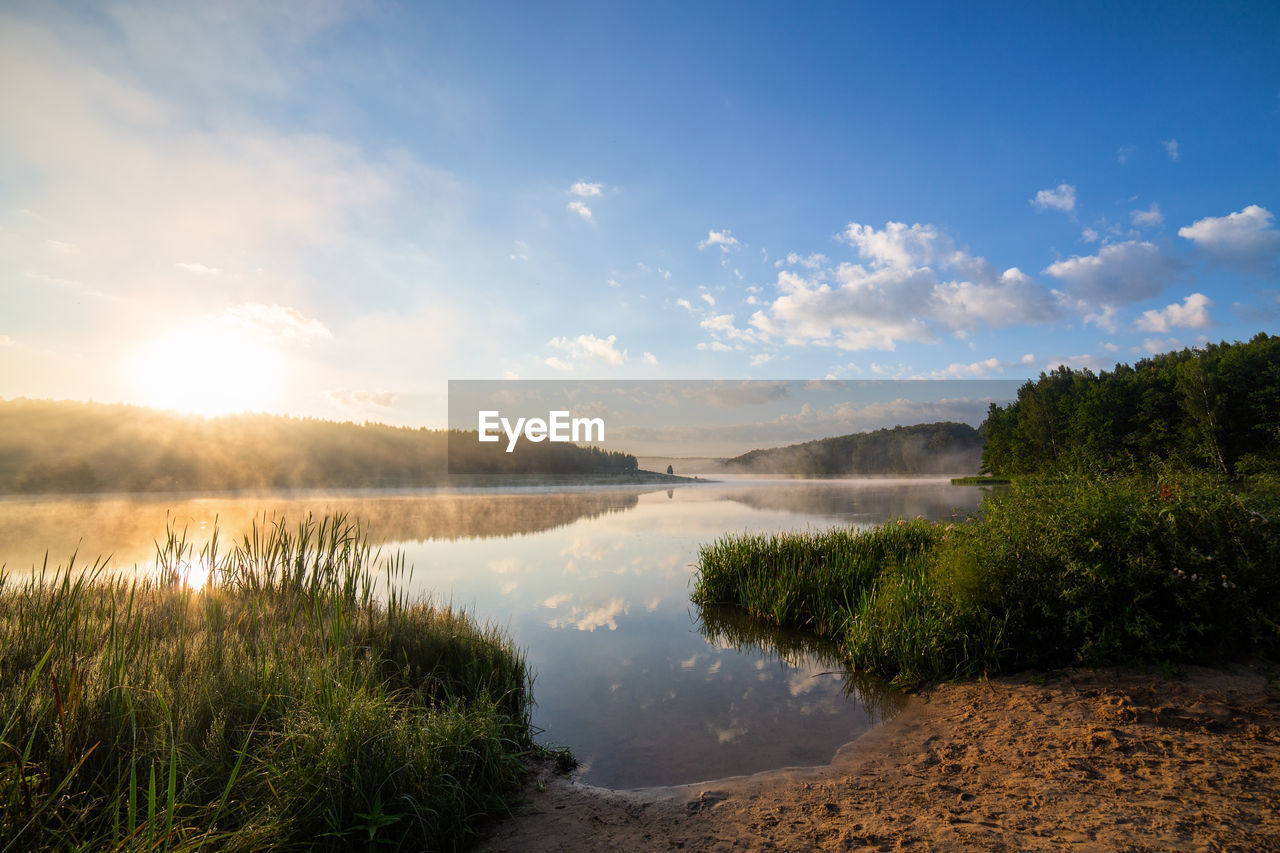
(589, 619)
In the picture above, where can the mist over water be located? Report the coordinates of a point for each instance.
(594, 584)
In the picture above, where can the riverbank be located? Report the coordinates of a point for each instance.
(1052, 572)
(1107, 759)
(287, 693)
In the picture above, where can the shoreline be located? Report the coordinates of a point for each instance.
(463, 484)
(1113, 759)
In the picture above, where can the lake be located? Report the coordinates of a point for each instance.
(594, 583)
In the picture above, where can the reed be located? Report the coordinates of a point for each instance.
(297, 700)
(1174, 567)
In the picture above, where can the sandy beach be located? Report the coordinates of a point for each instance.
(1105, 760)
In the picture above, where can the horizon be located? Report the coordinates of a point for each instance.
(331, 210)
(688, 419)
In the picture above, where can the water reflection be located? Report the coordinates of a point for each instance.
(733, 627)
(126, 527)
(594, 585)
(871, 501)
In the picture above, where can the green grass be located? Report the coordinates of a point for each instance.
(1061, 571)
(298, 701)
(979, 481)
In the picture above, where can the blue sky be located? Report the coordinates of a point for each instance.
(332, 209)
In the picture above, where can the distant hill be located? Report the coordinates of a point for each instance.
(67, 447)
(922, 449)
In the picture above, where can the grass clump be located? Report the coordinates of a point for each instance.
(1057, 571)
(291, 703)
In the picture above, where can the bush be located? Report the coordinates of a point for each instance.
(1177, 567)
(1056, 571)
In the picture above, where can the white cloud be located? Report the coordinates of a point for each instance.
(557, 363)
(708, 298)
(899, 244)
(722, 326)
(714, 346)
(726, 241)
(1149, 217)
(1124, 152)
(613, 282)
(976, 370)
(1171, 148)
(844, 418)
(1061, 197)
(1191, 314)
(650, 358)
(1014, 297)
(1246, 238)
(760, 358)
(70, 284)
(581, 209)
(584, 189)
(277, 321)
(1119, 274)
(1155, 346)
(1106, 317)
(813, 261)
(899, 295)
(1089, 235)
(199, 269)
(590, 348)
(684, 303)
(61, 247)
(215, 183)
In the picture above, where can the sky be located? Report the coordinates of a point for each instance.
(332, 209)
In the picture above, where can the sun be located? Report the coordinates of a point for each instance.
(207, 370)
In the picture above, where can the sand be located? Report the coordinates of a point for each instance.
(1106, 760)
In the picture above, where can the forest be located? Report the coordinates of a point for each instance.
(1215, 408)
(70, 447)
(920, 449)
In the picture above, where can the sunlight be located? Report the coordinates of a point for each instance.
(195, 574)
(207, 370)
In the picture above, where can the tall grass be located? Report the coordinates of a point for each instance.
(299, 700)
(1176, 567)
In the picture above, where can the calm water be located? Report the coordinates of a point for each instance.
(594, 583)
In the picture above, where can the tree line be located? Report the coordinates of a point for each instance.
(61, 447)
(1216, 407)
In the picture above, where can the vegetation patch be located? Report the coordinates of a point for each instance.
(1064, 570)
(289, 703)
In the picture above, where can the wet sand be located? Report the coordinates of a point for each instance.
(1106, 760)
